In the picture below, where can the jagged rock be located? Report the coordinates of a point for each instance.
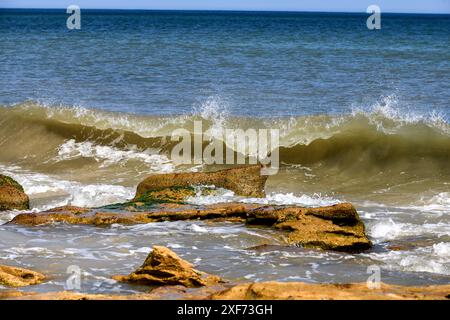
(306, 291)
(336, 227)
(163, 267)
(175, 187)
(19, 277)
(12, 195)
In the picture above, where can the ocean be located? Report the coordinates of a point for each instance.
(363, 117)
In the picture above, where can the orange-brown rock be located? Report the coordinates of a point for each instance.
(158, 212)
(336, 227)
(244, 181)
(259, 291)
(305, 291)
(163, 267)
(12, 195)
(19, 277)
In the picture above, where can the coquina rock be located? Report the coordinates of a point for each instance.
(163, 267)
(175, 187)
(336, 227)
(12, 195)
(157, 213)
(258, 291)
(19, 277)
(308, 291)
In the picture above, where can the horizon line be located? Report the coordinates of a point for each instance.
(230, 10)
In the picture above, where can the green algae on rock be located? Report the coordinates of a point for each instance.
(175, 187)
(12, 195)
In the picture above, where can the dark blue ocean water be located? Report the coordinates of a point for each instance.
(258, 64)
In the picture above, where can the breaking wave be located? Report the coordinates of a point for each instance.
(100, 147)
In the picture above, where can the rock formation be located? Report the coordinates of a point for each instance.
(335, 227)
(308, 291)
(12, 195)
(174, 187)
(19, 277)
(163, 267)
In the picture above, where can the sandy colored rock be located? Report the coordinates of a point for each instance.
(19, 277)
(12, 195)
(163, 267)
(305, 291)
(244, 181)
(336, 227)
(258, 291)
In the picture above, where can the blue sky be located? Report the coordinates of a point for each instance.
(422, 6)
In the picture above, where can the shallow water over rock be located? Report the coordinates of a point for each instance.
(233, 251)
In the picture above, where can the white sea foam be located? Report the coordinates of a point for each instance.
(197, 228)
(439, 203)
(291, 199)
(224, 196)
(432, 259)
(442, 249)
(388, 108)
(109, 155)
(389, 230)
(64, 192)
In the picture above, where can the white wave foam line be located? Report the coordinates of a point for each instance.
(389, 230)
(224, 196)
(388, 109)
(109, 155)
(7, 216)
(439, 203)
(66, 192)
(432, 259)
(290, 199)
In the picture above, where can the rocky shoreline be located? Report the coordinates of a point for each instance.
(163, 198)
(170, 277)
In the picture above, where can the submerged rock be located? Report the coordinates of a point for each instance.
(163, 267)
(307, 291)
(19, 277)
(12, 195)
(175, 187)
(336, 227)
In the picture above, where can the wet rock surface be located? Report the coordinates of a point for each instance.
(335, 227)
(12, 195)
(258, 291)
(163, 267)
(155, 213)
(174, 187)
(19, 277)
(305, 291)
